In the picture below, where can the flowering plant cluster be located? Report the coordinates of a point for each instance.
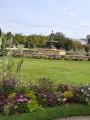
(81, 94)
(30, 98)
(62, 87)
(48, 99)
(52, 57)
(8, 86)
(21, 103)
(3, 101)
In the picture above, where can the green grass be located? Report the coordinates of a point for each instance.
(67, 72)
(50, 114)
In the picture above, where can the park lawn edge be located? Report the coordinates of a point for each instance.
(51, 113)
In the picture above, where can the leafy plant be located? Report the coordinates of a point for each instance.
(62, 87)
(45, 84)
(68, 94)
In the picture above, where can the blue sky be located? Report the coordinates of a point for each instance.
(72, 17)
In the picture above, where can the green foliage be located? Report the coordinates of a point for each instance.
(77, 45)
(27, 44)
(68, 94)
(89, 102)
(41, 41)
(7, 63)
(86, 48)
(45, 84)
(68, 45)
(34, 106)
(30, 94)
(19, 65)
(23, 107)
(52, 113)
(63, 41)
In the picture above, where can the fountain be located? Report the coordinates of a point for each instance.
(51, 50)
(52, 41)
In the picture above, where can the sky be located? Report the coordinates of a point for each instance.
(71, 17)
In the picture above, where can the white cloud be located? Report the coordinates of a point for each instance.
(71, 14)
(84, 24)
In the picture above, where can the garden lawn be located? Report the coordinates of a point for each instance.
(60, 71)
(51, 113)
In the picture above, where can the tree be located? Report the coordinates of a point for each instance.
(9, 35)
(68, 45)
(77, 45)
(86, 48)
(63, 41)
(26, 44)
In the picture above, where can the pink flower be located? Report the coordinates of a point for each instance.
(64, 99)
(25, 99)
(86, 99)
(29, 101)
(50, 100)
(45, 95)
(15, 107)
(55, 104)
(0, 103)
(21, 96)
(9, 99)
(58, 99)
(21, 100)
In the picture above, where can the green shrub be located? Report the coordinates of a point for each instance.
(45, 84)
(68, 94)
(31, 95)
(34, 106)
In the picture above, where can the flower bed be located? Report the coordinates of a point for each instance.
(29, 98)
(53, 57)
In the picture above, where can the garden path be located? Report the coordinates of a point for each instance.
(75, 118)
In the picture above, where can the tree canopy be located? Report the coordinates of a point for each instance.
(41, 41)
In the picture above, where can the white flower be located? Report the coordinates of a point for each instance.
(85, 92)
(28, 83)
(15, 85)
(82, 90)
(88, 88)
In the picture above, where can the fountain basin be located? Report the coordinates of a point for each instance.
(51, 51)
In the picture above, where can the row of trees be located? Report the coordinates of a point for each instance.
(41, 41)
